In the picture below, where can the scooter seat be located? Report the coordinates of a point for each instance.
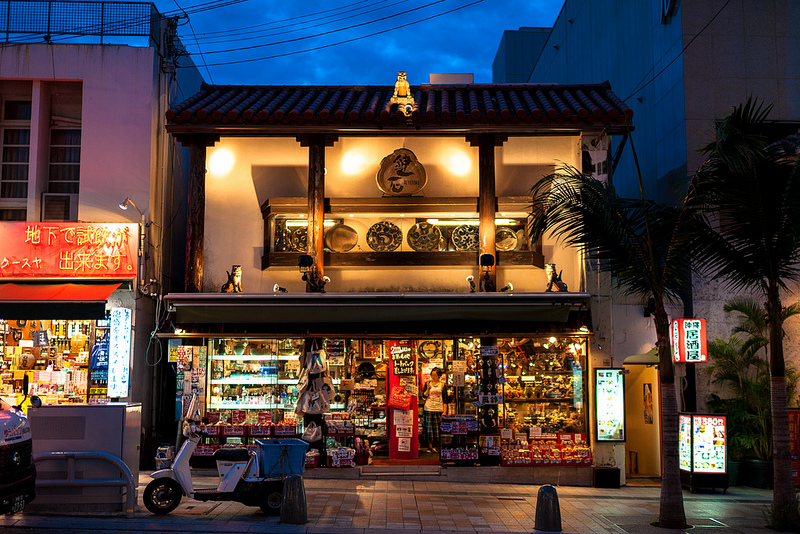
(231, 455)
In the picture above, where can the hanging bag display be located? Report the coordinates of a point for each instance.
(302, 381)
(99, 356)
(327, 388)
(312, 432)
(314, 401)
(399, 398)
(317, 361)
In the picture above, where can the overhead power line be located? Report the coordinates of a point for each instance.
(329, 32)
(321, 47)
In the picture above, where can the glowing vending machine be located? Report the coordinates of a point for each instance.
(703, 453)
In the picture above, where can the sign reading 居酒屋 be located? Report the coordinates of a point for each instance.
(689, 341)
(68, 250)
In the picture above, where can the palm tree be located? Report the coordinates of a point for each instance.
(646, 246)
(740, 366)
(752, 189)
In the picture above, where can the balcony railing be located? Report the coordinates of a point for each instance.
(22, 19)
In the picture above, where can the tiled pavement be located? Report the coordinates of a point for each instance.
(425, 507)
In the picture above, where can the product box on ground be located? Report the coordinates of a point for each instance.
(233, 430)
(342, 457)
(458, 454)
(205, 450)
(312, 458)
(260, 430)
(285, 429)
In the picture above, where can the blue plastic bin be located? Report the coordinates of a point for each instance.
(281, 457)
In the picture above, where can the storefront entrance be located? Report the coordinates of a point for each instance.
(643, 417)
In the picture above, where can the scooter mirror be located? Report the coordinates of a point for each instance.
(36, 402)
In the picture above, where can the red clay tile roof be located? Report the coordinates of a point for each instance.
(440, 107)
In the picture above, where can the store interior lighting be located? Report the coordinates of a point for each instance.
(508, 287)
(471, 280)
(278, 289)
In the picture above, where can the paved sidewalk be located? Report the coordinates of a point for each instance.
(427, 507)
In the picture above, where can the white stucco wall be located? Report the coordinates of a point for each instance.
(266, 168)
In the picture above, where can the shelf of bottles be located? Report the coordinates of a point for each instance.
(55, 356)
(253, 374)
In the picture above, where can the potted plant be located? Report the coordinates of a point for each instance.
(740, 367)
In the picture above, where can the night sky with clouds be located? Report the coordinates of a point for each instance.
(348, 42)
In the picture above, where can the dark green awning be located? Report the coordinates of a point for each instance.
(373, 313)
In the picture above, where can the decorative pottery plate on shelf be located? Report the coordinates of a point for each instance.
(505, 239)
(424, 237)
(384, 236)
(299, 239)
(341, 238)
(465, 237)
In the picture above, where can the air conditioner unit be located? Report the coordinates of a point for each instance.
(59, 207)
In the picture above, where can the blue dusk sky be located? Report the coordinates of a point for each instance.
(348, 42)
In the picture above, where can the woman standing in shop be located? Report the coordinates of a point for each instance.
(433, 409)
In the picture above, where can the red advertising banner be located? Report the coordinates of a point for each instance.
(68, 250)
(689, 341)
(794, 439)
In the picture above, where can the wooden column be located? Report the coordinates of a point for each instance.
(487, 201)
(196, 209)
(316, 198)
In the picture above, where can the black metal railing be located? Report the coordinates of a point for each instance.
(51, 18)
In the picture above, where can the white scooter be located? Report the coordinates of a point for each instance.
(240, 477)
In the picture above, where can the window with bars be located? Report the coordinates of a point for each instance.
(15, 134)
(65, 161)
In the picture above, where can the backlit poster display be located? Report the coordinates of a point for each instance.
(119, 352)
(703, 450)
(708, 448)
(610, 405)
(685, 442)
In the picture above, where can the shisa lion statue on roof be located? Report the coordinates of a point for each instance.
(553, 278)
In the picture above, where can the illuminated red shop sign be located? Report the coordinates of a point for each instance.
(68, 250)
(689, 341)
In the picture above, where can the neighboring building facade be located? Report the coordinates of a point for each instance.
(679, 66)
(82, 129)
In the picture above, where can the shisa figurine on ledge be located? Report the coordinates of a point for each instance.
(234, 283)
(553, 278)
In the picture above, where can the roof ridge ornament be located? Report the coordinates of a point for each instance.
(402, 94)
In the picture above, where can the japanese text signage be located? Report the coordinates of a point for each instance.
(68, 250)
(794, 441)
(708, 443)
(119, 352)
(689, 341)
(402, 359)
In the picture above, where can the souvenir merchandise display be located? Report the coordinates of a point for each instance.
(546, 450)
(544, 386)
(66, 361)
(258, 375)
(374, 229)
(534, 387)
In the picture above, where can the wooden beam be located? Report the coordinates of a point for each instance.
(487, 206)
(196, 211)
(316, 202)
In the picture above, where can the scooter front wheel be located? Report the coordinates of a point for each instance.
(162, 495)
